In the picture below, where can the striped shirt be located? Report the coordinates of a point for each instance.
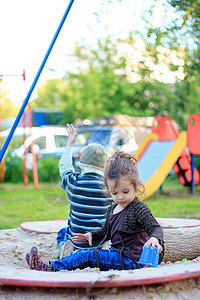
(88, 198)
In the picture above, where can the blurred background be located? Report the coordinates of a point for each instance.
(112, 58)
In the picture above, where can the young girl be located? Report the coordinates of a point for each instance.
(129, 225)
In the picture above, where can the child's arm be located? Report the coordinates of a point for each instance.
(147, 221)
(65, 162)
(79, 237)
(72, 135)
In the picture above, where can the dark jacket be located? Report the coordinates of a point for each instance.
(139, 217)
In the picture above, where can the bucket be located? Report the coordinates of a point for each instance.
(149, 257)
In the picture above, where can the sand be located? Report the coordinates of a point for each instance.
(15, 243)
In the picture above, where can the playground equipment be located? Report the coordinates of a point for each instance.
(165, 148)
(25, 123)
(193, 142)
(34, 161)
(5, 146)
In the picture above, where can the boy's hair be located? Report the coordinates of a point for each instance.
(122, 164)
(94, 156)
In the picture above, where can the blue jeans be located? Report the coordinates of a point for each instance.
(81, 259)
(61, 238)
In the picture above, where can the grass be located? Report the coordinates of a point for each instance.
(20, 204)
(176, 201)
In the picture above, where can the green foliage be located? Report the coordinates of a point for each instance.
(100, 85)
(47, 170)
(15, 142)
(102, 88)
(186, 29)
(190, 11)
(54, 118)
(14, 169)
(49, 94)
(99, 90)
(9, 110)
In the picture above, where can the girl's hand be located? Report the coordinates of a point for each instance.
(154, 242)
(78, 237)
(72, 135)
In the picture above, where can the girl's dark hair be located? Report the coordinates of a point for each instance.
(122, 164)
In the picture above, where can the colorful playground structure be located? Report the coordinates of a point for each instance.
(165, 148)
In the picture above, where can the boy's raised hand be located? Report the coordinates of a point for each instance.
(72, 135)
(78, 237)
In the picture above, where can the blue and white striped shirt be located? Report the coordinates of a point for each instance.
(87, 195)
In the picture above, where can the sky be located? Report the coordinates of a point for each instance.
(28, 26)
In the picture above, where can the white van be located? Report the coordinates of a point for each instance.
(48, 141)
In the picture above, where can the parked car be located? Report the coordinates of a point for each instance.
(50, 141)
(112, 137)
(120, 132)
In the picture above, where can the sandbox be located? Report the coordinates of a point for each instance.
(17, 242)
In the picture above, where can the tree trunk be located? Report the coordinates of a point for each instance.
(181, 237)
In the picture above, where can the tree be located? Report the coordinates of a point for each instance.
(189, 30)
(9, 110)
(99, 88)
(180, 29)
(190, 12)
(49, 94)
(105, 86)
(102, 84)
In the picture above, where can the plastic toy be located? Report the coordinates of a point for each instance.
(149, 257)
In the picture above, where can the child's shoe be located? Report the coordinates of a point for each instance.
(28, 257)
(34, 260)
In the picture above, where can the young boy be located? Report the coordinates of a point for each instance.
(86, 193)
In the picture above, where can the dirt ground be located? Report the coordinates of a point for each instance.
(15, 243)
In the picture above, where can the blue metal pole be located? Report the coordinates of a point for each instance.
(5, 146)
(192, 171)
